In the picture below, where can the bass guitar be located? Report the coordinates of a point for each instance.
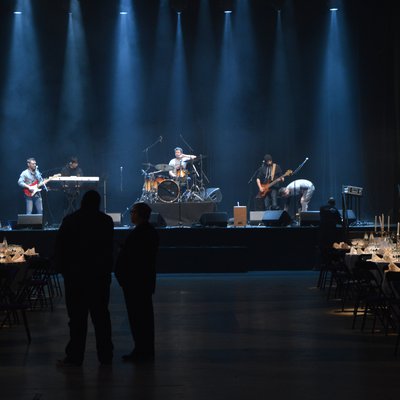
(266, 187)
(36, 186)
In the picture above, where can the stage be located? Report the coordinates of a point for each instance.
(211, 249)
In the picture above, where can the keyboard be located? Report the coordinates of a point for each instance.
(76, 179)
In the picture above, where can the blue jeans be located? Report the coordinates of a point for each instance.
(34, 201)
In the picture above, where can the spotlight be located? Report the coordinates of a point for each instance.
(17, 12)
(123, 12)
(333, 5)
(178, 5)
(227, 6)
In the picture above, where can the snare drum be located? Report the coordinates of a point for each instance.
(151, 184)
(168, 191)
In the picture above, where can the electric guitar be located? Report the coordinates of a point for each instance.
(36, 186)
(266, 187)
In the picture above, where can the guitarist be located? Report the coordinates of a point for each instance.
(267, 198)
(27, 180)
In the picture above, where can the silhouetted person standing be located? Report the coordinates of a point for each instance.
(330, 227)
(84, 256)
(136, 273)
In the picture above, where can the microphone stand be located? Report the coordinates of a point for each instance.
(294, 185)
(300, 166)
(146, 150)
(250, 187)
(187, 144)
(39, 174)
(202, 175)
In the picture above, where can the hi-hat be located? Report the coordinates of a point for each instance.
(164, 167)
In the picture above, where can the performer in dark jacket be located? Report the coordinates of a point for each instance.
(71, 189)
(136, 273)
(268, 172)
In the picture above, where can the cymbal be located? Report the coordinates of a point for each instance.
(147, 164)
(164, 167)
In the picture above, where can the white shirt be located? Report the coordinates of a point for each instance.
(299, 186)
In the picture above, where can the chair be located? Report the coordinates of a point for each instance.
(337, 276)
(41, 290)
(14, 293)
(392, 288)
(369, 295)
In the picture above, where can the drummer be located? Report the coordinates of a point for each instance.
(179, 164)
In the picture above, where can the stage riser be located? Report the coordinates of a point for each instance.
(209, 249)
(175, 214)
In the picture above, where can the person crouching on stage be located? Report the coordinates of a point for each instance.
(300, 187)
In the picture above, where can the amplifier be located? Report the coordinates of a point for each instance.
(352, 190)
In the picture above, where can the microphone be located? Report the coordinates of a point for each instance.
(160, 139)
(306, 158)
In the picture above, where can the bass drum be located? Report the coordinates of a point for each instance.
(151, 184)
(168, 191)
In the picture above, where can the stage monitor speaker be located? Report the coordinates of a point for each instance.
(157, 220)
(256, 217)
(33, 221)
(214, 219)
(116, 217)
(276, 218)
(351, 216)
(309, 218)
(214, 194)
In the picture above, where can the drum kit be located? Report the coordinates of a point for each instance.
(187, 186)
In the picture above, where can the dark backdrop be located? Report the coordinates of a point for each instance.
(299, 83)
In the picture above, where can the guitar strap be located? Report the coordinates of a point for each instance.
(273, 171)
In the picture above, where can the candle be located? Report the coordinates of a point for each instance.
(398, 228)
(376, 223)
(383, 223)
(388, 223)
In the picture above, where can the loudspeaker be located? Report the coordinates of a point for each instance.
(276, 218)
(351, 216)
(214, 194)
(33, 221)
(214, 219)
(157, 220)
(116, 217)
(256, 217)
(309, 218)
